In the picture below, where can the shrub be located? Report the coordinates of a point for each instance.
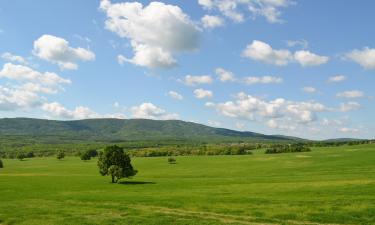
(60, 155)
(21, 156)
(172, 160)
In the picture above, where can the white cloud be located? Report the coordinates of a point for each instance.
(209, 21)
(201, 93)
(364, 57)
(157, 31)
(225, 75)
(57, 50)
(175, 95)
(14, 58)
(309, 89)
(348, 130)
(263, 52)
(18, 98)
(282, 112)
(21, 73)
(80, 112)
(294, 43)
(262, 80)
(349, 106)
(240, 126)
(121, 59)
(337, 78)
(150, 111)
(306, 58)
(195, 80)
(214, 123)
(351, 94)
(237, 10)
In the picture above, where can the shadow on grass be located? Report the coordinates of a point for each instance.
(135, 182)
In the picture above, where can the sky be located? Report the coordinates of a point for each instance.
(300, 68)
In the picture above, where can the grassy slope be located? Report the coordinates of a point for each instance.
(333, 185)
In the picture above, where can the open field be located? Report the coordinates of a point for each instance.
(325, 186)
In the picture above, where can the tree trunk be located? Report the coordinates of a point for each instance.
(113, 179)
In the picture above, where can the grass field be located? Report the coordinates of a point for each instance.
(325, 186)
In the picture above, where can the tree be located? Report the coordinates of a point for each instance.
(1, 164)
(21, 156)
(114, 162)
(85, 156)
(60, 155)
(172, 160)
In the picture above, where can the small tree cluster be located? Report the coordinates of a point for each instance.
(60, 155)
(87, 155)
(21, 156)
(114, 162)
(278, 148)
(172, 160)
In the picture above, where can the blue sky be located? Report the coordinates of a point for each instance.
(303, 68)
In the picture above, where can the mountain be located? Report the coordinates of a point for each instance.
(126, 129)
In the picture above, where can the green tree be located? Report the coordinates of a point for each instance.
(172, 160)
(1, 164)
(114, 162)
(21, 156)
(85, 156)
(60, 155)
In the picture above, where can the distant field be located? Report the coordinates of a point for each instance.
(325, 186)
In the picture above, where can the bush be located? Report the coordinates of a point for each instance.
(85, 156)
(60, 155)
(172, 160)
(21, 156)
(278, 148)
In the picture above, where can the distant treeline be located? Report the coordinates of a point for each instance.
(165, 148)
(278, 148)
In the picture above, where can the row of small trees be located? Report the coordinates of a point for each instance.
(278, 148)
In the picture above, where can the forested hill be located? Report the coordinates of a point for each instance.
(126, 129)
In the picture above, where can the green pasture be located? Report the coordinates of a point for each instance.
(325, 186)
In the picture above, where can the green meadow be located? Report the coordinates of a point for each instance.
(325, 186)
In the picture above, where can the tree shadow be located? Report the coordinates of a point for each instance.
(135, 182)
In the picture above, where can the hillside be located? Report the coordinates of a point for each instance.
(125, 129)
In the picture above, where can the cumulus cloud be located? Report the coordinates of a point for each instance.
(18, 98)
(337, 78)
(306, 58)
(263, 52)
(364, 57)
(80, 112)
(209, 21)
(301, 43)
(277, 113)
(150, 111)
(14, 58)
(175, 95)
(195, 80)
(238, 10)
(348, 130)
(351, 94)
(57, 50)
(349, 106)
(309, 89)
(263, 80)
(21, 73)
(27, 87)
(201, 93)
(157, 31)
(225, 75)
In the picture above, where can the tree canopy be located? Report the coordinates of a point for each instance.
(114, 162)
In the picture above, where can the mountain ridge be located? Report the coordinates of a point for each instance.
(127, 129)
